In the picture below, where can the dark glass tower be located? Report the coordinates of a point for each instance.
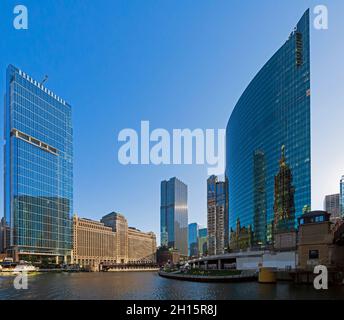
(174, 215)
(273, 111)
(38, 168)
(193, 240)
(341, 195)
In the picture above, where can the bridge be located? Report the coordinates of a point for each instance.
(247, 260)
(131, 266)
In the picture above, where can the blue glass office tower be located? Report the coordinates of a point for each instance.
(268, 144)
(193, 240)
(341, 197)
(202, 241)
(38, 169)
(174, 215)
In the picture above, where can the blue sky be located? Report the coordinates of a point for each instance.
(178, 64)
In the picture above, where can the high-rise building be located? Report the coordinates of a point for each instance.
(193, 240)
(342, 196)
(111, 241)
(93, 243)
(174, 215)
(119, 225)
(331, 205)
(2, 235)
(217, 204)
(38, 169)
(273, 111)
(203, 241)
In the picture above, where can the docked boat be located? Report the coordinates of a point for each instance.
(7, 266)
(25, 267)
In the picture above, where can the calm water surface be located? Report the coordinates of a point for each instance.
(148, 285)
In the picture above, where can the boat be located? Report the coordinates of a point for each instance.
(71, 268)
(7, 266)
(25, 267)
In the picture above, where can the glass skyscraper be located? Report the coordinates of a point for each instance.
(341, 196)
(174, 215)
(268, 153)
(193, 239)
(217, 216)
(203, 241)
(38, 168)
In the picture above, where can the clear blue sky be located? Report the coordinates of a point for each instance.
(178, 64)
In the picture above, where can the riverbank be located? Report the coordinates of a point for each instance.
(209, 276)
(133, 270)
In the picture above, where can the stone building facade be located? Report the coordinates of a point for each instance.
(316, 243)
(93, 243)
(141, 246)
(110, 241)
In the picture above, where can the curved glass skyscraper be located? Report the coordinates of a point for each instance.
(268, 160)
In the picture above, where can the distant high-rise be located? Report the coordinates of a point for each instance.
(217, 204)
(342, 196)
(174, 215)
(193, 240)
(203, 241)
(273, 111)
(38, 169)
(331, 205)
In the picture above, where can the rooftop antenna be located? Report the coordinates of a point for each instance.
(45, 79)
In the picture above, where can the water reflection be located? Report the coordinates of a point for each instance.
(148, 285)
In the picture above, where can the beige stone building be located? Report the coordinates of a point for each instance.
(141, 246)
(93, 243)
(111, 241)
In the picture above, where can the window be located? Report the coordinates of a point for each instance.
(313, 254)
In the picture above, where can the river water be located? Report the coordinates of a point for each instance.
(148, 285)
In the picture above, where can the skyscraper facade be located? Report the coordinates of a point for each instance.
(174, 215)
(38, 168)
(331, 205)
(202, 242)
(341, 199)
(217, 208)
(193, 240)
(268, 149)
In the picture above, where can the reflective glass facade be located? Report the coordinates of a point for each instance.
(341, 199)
(193, 239)
(38, 167)
(268, 153)
(203, 241)
(174, 215)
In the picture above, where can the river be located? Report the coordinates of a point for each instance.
(148, 285)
